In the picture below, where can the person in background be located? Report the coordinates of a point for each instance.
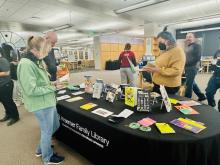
(214, 81)
(13, 56)
(39, 95)
(169, 65)
(193, 56)
(50, 60)
(6, 91)
(127, 76)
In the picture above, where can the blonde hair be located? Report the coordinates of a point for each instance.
(40, 44)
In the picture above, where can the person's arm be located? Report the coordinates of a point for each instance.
(195, 55)
(28, 81)
(176, 65)
(4, 74)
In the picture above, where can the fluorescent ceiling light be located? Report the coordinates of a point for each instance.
(62, 27)
(139, 5)
(200, 30)
(66, 26)
(203, 18)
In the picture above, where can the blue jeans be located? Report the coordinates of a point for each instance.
(213, 86)
(49, 122)
(191, 73)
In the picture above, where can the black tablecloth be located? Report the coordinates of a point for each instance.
(112, 65)
(106, 143)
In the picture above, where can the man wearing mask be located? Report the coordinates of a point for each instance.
(50, 60)
(193, 56)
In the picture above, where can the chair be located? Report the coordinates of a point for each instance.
(144, 83)
(79, 65)
(205, 64)
(182, 89)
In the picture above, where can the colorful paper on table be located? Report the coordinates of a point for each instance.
(188, 124)
(63, 97)
(102, 112)
(173, 101)
(186, 110)
(146, 121)
(195, 121)
(189, 103)
(74, 99)
(88, 106)
(165, 128)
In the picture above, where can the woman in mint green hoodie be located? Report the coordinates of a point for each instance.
(39, 95)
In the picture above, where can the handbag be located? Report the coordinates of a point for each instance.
(132, 67)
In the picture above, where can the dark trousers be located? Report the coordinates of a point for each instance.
(170, 90)
(213, 86)
(191, 85)
(6, 92)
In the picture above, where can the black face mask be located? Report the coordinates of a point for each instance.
(162, 46)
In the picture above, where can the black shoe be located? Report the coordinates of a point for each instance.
(38, 154)
(12, 121)
(202, 98)
(55, 159)
(5, 118)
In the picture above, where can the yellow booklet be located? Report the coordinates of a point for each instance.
(131, 96)
(88, 106)
(165, 128)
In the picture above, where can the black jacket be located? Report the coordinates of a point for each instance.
(193, 55)
(216, 68)
(51, 63)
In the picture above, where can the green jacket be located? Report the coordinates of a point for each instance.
(37, 91)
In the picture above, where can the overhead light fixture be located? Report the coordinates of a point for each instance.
(200, 30)
(203, 18)
(62, 27)
(139, 6)
(66, 26)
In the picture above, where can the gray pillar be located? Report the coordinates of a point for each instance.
(97, 52)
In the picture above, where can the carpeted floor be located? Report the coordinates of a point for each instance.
(18, 142)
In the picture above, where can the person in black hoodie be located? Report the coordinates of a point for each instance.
(193, 56)
(214, 81)
(6, 90)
